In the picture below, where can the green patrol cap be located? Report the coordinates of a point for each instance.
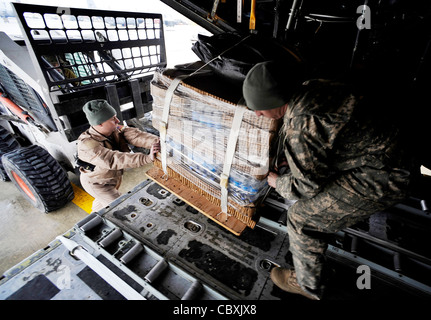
(98, 111)
(265, 87)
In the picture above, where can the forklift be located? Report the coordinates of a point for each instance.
(68, 58)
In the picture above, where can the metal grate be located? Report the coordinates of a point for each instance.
(78, 48)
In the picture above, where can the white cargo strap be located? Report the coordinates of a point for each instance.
(164, 123)
(103, 271)
(230, 151)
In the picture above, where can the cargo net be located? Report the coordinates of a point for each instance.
(78, 48)
(197, 136)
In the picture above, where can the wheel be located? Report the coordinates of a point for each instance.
(39, 177)
(7, 143)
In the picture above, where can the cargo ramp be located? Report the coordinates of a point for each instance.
(161, 248)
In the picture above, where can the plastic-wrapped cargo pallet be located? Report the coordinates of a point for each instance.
(199, 134)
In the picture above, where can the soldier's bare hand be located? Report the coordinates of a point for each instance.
(154, 149)
(272, 179)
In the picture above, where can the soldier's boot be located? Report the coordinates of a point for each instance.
(285, 279)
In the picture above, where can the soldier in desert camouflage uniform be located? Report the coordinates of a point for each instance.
(343, 166)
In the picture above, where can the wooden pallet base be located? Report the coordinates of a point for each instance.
(197, 201)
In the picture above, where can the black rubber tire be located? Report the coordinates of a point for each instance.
(39, 177)
(7, 143)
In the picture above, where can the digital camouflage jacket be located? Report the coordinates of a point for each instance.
(328, 134)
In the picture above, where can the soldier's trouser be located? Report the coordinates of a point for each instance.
(103, 193)
(311, 221)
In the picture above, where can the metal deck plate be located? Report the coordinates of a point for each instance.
(238, 265)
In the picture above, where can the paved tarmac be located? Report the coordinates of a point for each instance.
(25, 230)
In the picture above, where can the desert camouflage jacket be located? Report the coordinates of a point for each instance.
(110, 155)
(325, 136)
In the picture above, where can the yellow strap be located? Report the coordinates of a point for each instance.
(252, 15)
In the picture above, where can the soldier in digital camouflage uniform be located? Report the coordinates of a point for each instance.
(343, 166)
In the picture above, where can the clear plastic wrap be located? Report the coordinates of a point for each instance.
(197, 135)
